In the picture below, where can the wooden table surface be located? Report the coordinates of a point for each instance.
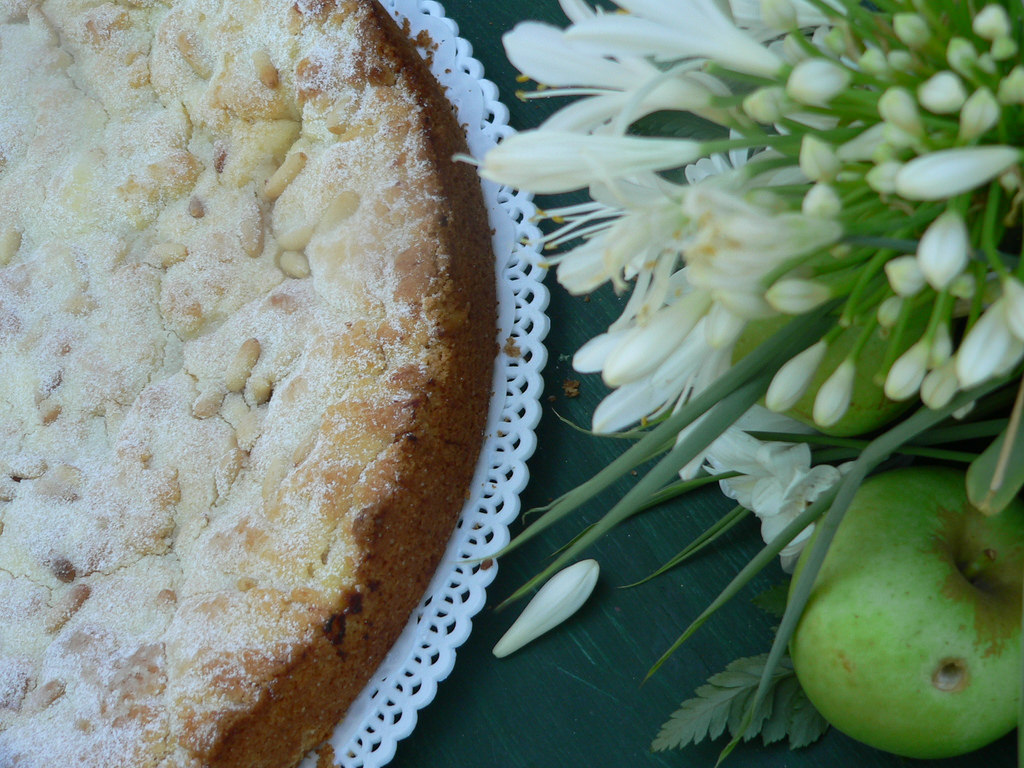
(574, 697)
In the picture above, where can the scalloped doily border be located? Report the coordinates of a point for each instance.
(424, 655)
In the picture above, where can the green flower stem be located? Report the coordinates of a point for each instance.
(843, 449)
(991, 230)
(709, 536)
(868, 278)
(757, 563)
(894, 348)
(873, 454)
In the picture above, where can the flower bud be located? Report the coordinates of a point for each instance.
(962, 56)
(905, 275)
(822, 201)
(905, 377)
(873, 62)
(901, 61)
(985, 347)
(943, 93)
(1011, 87)
(794, 295)
(766, 105)
(980, 113)
(962, 286)
(949, 172)
(833, 398)
(792, 379)
(1013, 291)
(941, 348)
(1004, 49)
(940, 385)
(911, 29)
(778, 14)
(818, 159)
(817, 81)
(897, 106)
(943, 249)
(991, 23)
(835, 41)
(888, 311)
(882, 178)
(557, 600)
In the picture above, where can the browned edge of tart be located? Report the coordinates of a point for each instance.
(435, 445)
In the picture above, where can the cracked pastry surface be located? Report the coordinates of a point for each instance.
(246, 329)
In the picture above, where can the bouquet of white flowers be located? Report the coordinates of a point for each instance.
(815, 209)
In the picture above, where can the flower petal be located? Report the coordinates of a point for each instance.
(559, 598)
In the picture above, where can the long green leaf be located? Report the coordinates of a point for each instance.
(792, 338)
(714, 422)
(751, 569)
(718, 528)
(995, 478)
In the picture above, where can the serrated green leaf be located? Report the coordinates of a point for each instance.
(806, 725)
(722, 705)
(773, 600)
(776, 727)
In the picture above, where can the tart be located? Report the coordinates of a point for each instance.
(246, 336)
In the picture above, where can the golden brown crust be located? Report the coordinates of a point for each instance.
(263, 546)
(405, 531)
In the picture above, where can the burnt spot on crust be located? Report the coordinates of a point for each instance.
(334, 627)
(334, 630)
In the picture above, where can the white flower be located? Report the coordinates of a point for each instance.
(690, 369)
(550, 162)
(644, 347)
(1011, 87)
(943, 93)
(675, 29)
(943, 249)
(792, 379)
(833, 398)
(560, 597)
(776, 480)
(816, 82)
(949, 172)
(736, 244)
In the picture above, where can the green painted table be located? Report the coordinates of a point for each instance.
(575, 697)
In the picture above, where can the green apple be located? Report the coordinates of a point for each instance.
(910, 641)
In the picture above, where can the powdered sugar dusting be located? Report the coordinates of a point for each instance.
(208, 317)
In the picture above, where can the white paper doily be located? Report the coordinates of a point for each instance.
(386, 711)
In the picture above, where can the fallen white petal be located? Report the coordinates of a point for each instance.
(557, 600)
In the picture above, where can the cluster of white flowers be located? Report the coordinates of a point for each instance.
(868, 162)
